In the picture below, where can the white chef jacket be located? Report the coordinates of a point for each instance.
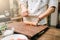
(37, 7)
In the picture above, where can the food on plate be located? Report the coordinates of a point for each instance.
(20, 39)
(16, 37)
(11, 38)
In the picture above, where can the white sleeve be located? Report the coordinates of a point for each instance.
(53, 3)
(24, 2)
(40, 5)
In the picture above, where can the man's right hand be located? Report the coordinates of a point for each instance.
(24, 14)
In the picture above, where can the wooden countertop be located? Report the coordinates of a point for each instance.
(28, 30)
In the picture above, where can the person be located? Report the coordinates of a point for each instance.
(35, 12)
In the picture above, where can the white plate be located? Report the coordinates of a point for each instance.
(15, 37)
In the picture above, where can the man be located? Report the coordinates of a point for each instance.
(34, 12)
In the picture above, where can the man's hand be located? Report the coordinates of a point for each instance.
(39, 19)
(49, 11)
(30, 23)
(24, 14)
(34, 23)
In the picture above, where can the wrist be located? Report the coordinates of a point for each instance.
(24, 14)
(24, 10)
(39, 18)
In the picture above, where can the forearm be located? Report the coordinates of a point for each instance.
(46, 13)
(23, 8)
(24, 11)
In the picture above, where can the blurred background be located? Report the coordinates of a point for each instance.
(11, 8)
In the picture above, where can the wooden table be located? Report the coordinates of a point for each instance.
(28, 30)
